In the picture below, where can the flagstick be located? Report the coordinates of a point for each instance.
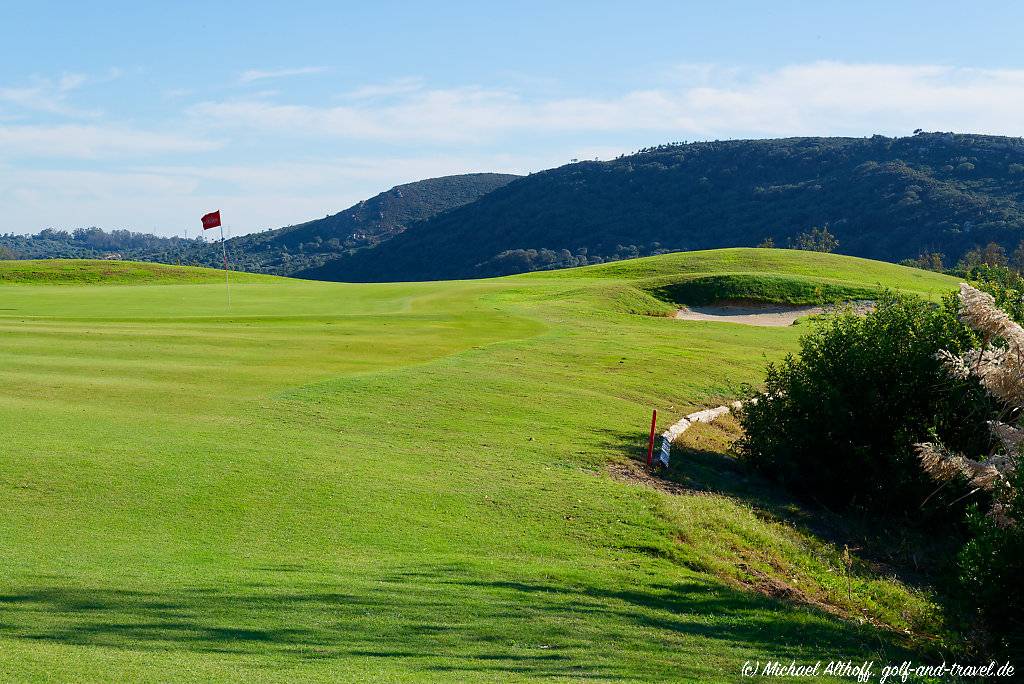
(227, 288)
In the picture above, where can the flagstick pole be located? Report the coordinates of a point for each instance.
(224, 248)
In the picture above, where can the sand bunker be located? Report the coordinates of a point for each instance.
(767, 314)
(748, 315)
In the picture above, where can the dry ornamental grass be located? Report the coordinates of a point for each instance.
(1000, 369)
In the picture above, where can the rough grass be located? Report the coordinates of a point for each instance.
(743, 529)
(389, 482)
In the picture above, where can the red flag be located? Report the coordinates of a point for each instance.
(211, 220)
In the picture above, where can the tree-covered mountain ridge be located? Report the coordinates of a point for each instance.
(882, 198)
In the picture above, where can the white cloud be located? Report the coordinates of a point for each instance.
(434, 115)
(259, 74)
(835, 98)
(176, 93)
(169, 198)
(822, 98)
(308, 159)
(94, 142)
(69, 82)
(401, 86)
(51, 96)
(338, 174)
(47, 96)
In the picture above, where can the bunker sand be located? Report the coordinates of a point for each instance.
(771, 316)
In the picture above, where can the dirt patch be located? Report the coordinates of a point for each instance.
(636, 473)
(769, 315)
(776, 588)
(773, 587)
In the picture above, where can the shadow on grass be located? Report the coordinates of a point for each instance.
(702, 462)
(886, 547)
(448, 619)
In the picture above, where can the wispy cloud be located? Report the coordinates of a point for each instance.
(821, 98)
(47, 95)
(69, 82)
(166, 198)
(285, 162)
(261, 74)
(176, 93)
(95, 142)
(401, 86)
(53, 95)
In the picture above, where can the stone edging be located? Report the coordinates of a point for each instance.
(683, 424)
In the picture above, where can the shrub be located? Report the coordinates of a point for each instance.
(992, 564)
(836, 423)
(815, 240)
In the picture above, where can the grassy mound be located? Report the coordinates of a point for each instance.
(383, 482)
(778, 262)
(658, 285)
(759, 288)
(95, 272)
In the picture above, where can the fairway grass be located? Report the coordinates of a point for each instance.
(383, 482)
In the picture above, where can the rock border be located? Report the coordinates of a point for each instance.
(684, 423)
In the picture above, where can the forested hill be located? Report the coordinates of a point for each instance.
(286, 250)
(884, 198)
(281, 251)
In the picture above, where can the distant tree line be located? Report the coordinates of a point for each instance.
(992, 255)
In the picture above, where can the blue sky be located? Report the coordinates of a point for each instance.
(147, 115)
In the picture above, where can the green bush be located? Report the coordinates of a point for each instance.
(1003, 283)
(836, 423)
(992, 565)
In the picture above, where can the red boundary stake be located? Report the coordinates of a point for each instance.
(650, 442)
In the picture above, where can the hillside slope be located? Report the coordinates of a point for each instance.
(368, 223)
(885, 198)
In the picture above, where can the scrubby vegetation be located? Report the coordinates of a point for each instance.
(992, 561)
(991, 565)
(913, 413)
(837, 421)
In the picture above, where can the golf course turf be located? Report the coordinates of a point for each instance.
(393, 482)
